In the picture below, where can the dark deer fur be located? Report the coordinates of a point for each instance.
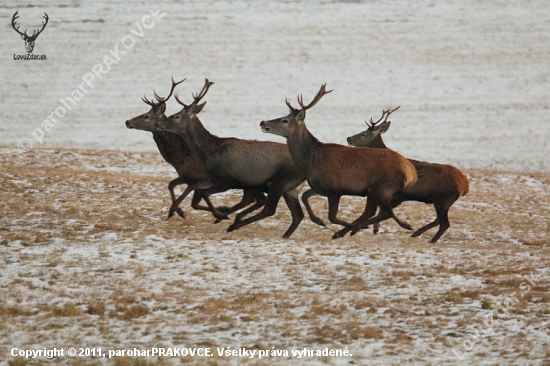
(335, 170)
(190, 170)
(438, 184)
(245, 164)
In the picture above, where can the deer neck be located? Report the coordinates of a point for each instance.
(201, 142)
(172, 147)
(378, 143)
(304, 148)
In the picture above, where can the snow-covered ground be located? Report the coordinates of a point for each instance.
(473, 78)
(87, 259)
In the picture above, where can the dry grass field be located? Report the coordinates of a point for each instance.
(88, 259)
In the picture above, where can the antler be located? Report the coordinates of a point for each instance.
(289, 106)
(197, 97)
(174, 84)
(13, 23)
(160, 99)
(317, 98)
(203, 92)
(385, 115)
(43, 26)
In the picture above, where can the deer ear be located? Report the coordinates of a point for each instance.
(384, 127)
(162, 108)
(301, 116)
(197, 108)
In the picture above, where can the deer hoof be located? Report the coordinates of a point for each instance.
(231, 228)
(319, 222)
(337, 235)
(170, 214)
(180, 213)
(224, 210)
(407, 226)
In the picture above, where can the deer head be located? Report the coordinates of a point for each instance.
(368, 138)
(285, 126)
(29, 40)
(146, 121)
(179, 121)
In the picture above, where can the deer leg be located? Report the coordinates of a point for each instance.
(370, 210)
(216, 210)
(197, 196)
(249, 197)
(171, 186)
(442, 211)
(260, 202)
(333, 203)
(305, 199)
(383, 198)
(293, 204)
(269, 209)
(200, 185)
(425, 228)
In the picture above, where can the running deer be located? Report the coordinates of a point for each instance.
(190, 170)
(245, 164)
(438, 184)
(336, 170)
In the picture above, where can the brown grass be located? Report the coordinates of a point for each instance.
(190, 282)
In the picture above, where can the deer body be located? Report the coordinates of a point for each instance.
(244, 164)
(437, 184)
(335, 170)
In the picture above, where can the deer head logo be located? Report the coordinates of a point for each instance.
(29, 40)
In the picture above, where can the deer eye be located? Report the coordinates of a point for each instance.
(285, 120)
(177, 117)
(146, 117)
(363, 134)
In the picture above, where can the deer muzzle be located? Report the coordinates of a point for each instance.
(264, 127)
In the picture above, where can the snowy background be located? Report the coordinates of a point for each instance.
(472, 78)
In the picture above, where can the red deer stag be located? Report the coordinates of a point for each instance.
(335, 170)
(190, 170)
(438, 184)
(242, 164)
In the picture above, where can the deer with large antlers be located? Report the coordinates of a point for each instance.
(242, 164)
(438, 184)
(336, 170)
(29, 40)
(190, 170)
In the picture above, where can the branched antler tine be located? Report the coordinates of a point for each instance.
(147, 101)
(388, 112)
(380, 120)
(288, 104)
(317, 98)
(14, 23)
(203, 91)
(179, 101)
(43, 24)
(174, 84)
